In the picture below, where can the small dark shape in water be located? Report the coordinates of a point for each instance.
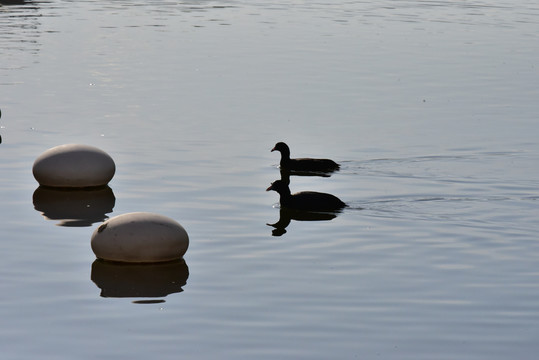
(306, 200)
(148, 301)
(303, 164)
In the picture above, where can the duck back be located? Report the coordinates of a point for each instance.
(313, 201)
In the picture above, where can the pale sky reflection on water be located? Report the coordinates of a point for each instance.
(430, 107)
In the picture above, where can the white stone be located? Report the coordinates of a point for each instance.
(75, 166)
(140, 237)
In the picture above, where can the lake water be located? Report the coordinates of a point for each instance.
(431, 107)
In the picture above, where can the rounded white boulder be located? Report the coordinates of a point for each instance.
(140, 237)
(74, 166)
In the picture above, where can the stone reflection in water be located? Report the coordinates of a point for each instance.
(121, 280)
(80, 207)
(287, 215)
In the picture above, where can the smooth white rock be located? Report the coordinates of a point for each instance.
(74, 165)
(140, 237)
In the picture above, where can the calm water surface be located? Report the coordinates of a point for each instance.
(430, 107)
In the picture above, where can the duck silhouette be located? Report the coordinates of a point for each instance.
(305, 200)
(303, 164)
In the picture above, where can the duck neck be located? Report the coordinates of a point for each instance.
(285, 195)
(285, 156)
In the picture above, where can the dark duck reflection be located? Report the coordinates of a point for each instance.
(304, 166)
(287, 215)
(285, 174)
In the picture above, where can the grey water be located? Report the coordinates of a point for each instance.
(430, 107)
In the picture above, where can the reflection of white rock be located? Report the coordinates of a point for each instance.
(139, 280)
(140, 237)
(74, 207)
(74, 165)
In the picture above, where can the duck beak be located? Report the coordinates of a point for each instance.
(270, 188)
(273, 149)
